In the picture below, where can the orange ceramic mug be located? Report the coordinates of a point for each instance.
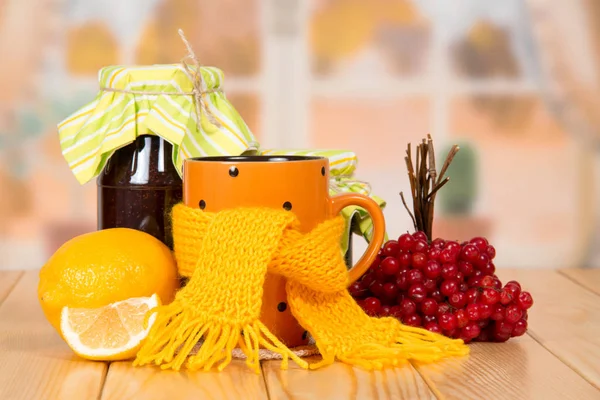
(296, 183)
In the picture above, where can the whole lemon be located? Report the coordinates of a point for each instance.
(103, 267)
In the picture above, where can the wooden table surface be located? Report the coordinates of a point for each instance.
(559, 358)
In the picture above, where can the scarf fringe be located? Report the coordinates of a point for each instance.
(176, 331)
(411, 343)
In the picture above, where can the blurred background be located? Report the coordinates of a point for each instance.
(514, 82)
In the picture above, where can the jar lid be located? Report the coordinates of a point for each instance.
(173, 101)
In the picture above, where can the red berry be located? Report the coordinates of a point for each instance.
(497, 283)
(408, 307)
(458, 299)
(415, 276)
(461, 318)
(448, 287)
(438, 243)
(454, 333)
(473, 311)
(420, 246)
(419, 260)
(472, 295)
(462, 337)
(504, 327)
(490, 296)
(433, 327)
(453, 246)
(500, 336)
(498, 312)
(432, 269)
(412, 320)
(449, 270)
(377, 289)
(469, 253)
(513, 313)
(434, 253)
(480, 243)
(405, 241)
(472, 330)
(372, 305)
(391, 248)
(390, 266)
(385, 311)
(417, 292)
(448, 322)
(447, 256)
(443, 308)
(429, 318)
(402, 282)
(437, 296)
(465, 267)
(482, 261)
(459, 276)
(463, 287)
(380, 275)
(357, 289)
(488, 269)
(505, 297)
(368, 279)
(525, 301)
(429, 306)
(419, 235)
(513, 288)
(491, 252)
(520, 328)
(487, 281)
(390, 290)
(474, 281)
(430, 285)
(525, 316)
(405, 260)
(485, 311)
(396, 311)
(483, 323)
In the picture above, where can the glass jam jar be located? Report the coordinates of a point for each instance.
(138, 187)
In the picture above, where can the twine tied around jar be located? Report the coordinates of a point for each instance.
(195, 76)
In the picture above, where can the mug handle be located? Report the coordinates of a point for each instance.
(340, 201)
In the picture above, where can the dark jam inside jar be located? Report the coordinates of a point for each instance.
(138, 187)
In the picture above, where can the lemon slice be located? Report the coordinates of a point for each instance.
(113, 332)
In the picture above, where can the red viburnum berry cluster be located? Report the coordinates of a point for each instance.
(445, 287)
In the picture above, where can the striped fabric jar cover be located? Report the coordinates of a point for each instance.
(160, 105)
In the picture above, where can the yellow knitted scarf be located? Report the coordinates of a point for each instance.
(227, 254)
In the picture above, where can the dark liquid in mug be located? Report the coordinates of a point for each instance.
(138, 187)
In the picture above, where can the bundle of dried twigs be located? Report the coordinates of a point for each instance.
(425, 183)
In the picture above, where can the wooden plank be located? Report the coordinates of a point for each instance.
(8, 279)
(151, 383)
(565, 318)
(34, 361)
(518, 369)
(342, 381)
(588, 278)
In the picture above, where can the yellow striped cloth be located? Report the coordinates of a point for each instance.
(342, 165)
(91, 135)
